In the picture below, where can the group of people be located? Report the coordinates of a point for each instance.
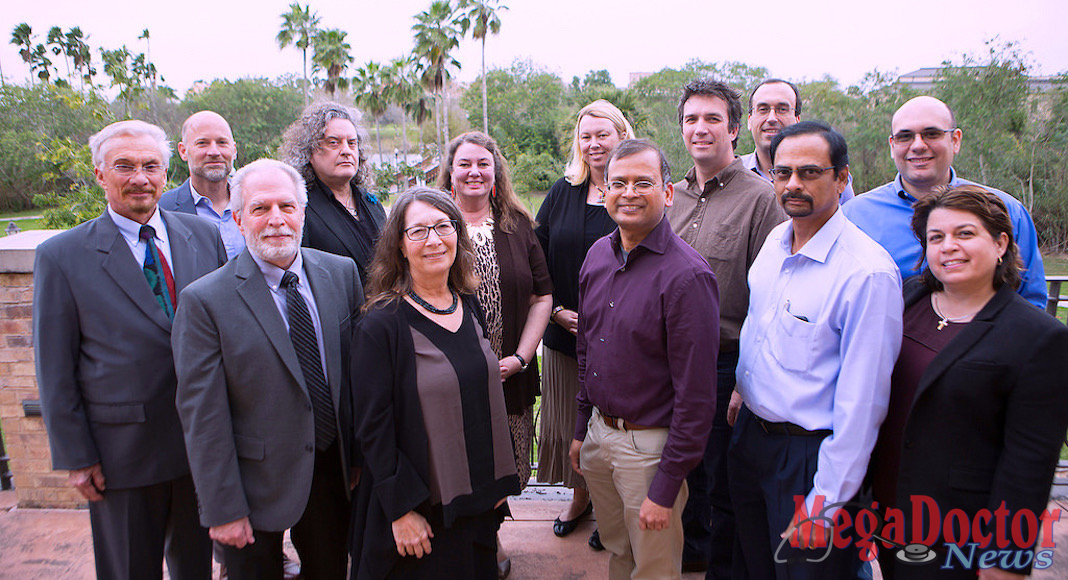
(732, 366)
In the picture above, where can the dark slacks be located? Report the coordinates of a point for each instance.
(135, 529)
(320, 536)
(467, 549)
(708, 520)
(767, 472)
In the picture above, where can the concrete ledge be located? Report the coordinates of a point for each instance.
(17, 251)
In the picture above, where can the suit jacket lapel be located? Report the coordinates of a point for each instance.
(327, 303)
(981, 324)
(253, 290)
(119, 263)
(319, 204)
(185, 199)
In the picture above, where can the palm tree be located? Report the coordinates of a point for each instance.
(480, 16)
(401, 90)
(22, 36)
(58, 42)
(299, 26)
(436, 35)
(331, 54)
(78, 51)
(370, 85)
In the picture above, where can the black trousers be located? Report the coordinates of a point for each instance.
(767, 472)
(135, 529)
(320, 536)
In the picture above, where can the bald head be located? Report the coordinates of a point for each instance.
(924, 139)
(208, 146)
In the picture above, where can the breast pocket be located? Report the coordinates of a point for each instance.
(792, 341)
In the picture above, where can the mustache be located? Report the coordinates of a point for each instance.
(796, 195)
(279, 231)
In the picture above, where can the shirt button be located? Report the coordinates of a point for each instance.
(702, 200)
(695, 224)
(747, 373)
(309, 448)
(612, 304)
(602, 339)
(595, 373)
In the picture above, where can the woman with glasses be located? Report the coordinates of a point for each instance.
(571, 218)
(429, 411)
(328, 146)
(977, 410)
(514, 286)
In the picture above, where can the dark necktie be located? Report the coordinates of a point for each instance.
(302, 333)
(158, 272)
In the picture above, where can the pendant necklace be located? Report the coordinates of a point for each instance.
(943, 319)
(419, 300)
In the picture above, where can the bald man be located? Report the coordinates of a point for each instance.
(924, 139)
(209, 148)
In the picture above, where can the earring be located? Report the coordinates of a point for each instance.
(493, 191)
(999, 260)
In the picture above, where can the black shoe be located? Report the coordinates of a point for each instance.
(595, 541)
(562, 528)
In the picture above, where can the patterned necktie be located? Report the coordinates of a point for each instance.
(302, 333)
(158, 272)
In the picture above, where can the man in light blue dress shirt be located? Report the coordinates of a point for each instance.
(923, 142)
(816, 353)
(209, 148)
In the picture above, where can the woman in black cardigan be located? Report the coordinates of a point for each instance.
(978, 406)
(571, 218)
(329, 148)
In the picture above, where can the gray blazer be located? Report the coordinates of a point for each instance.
(104, 365)
(179, 199)
(243, 402)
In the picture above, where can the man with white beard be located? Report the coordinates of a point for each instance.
(262, 351)
(209, 148)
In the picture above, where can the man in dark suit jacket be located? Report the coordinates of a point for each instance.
(208, 147)
(247, 390)
(104, 364)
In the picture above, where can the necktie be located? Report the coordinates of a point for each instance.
(158, 272)
(302, 333)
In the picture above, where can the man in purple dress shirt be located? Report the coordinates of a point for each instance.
(648, 339)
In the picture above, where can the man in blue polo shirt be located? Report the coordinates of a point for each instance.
(923, 141)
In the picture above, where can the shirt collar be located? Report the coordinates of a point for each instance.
(954, 181)
(273, 274)
(656, 241)
(131, 230)
(721, 179)
(819, 246)
(207, 201)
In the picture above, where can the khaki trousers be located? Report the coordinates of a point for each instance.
(619, 467)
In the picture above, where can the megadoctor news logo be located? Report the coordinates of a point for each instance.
(1000, 538)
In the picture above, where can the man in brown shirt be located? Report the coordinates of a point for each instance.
(724, 211)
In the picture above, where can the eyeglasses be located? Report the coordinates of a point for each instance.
(928, 135)
(781, 110)
(420, 233)
(150, 169)
(805, 172)
(642, 187)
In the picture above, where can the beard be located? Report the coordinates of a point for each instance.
(797, 212)
(211, 174)
(274, 251)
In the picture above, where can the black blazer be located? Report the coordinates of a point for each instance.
(327, 228)
(989, 415)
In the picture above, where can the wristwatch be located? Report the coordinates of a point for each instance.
(556, 310)
(522, 363)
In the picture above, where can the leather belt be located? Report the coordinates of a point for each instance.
(790, 429)
(615, 422)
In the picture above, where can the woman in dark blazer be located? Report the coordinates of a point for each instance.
(978, 405)
(328, 146)
(571, 218)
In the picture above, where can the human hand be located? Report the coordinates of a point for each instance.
(237, 533)
(733, 407)
(653, 516)
(412, 534)
(812, 532)
(567, 319)
(510, 365)
(573, 453)
(89, 481)
(354, 476)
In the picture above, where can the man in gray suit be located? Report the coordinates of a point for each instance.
(209, 148)
(262, 348)
(104, 295)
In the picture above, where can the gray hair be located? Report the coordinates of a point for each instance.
(98, 143)
(301, 140)
(237, 184)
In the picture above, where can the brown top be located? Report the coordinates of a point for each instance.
(726, 221)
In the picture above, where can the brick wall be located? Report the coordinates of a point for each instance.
(36, 484)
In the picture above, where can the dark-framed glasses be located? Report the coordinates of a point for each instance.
(126, 170)
(442, 229)
(805, 172)
(763, 110)
(641, 187)
(928, 135)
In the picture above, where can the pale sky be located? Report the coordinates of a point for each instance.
(798, 40)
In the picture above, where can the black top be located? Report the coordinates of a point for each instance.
(329, 227)
(567, 227)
